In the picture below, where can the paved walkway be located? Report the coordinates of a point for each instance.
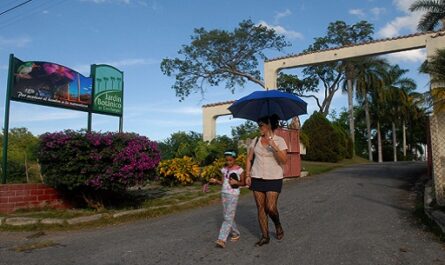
(356, 215)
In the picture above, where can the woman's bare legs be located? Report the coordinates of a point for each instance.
(260, 199)
(272, 211)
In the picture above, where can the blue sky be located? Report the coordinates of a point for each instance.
(135, 35)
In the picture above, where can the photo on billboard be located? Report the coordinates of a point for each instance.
(51, 84)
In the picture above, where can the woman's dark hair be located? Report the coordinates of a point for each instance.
(271, 120)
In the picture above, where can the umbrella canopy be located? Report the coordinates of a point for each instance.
(267, 103)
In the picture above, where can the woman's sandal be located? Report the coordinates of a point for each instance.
(263, 241)
(279, 232)
(234, 237)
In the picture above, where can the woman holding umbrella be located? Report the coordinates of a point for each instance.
(264, 175)
(268, 153)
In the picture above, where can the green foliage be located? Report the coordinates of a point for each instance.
(176, 171)
(304, 139)
(22, 145)
(190, 144)
(218, 56)
(436, 68)
(247, 130)
(325, 141)
(329, 74)
(179, 144)
(345, 142)
(434, 14)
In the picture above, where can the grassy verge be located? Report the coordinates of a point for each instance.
(315, 168)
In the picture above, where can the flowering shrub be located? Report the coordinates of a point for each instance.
(73, 160)
(214, 170)
(178, 171)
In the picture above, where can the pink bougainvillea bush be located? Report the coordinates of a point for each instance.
(78, 160)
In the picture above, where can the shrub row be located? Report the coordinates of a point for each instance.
(73, 160)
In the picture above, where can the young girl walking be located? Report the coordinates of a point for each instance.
(233, 177)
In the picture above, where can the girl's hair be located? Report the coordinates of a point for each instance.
(271, 120)
(230, 152)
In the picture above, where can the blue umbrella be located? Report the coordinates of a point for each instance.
(267, 103)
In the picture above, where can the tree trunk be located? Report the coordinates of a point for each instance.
(368, 129)
(404, 139)
(351, 114)
(327, 103)
(394, 141)
(379, 143)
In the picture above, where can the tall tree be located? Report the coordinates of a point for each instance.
(328, 75)
(435, 67)
(370, 77)
(220, 56)
(434, 16)
(398, 88)
(349, 35)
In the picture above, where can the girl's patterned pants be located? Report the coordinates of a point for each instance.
(229, 202)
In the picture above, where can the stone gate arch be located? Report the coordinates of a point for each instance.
(429, 40)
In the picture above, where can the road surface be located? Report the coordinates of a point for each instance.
(360, 214)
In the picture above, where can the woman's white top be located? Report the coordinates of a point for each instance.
(266, 165)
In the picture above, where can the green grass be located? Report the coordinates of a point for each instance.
(315, 168)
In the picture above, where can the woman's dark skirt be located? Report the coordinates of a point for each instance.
(265, 185)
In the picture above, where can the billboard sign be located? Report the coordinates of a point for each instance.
(50, 84)
(108, 90)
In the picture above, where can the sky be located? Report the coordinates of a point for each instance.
(135, 35)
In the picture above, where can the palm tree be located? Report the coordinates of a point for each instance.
(378, 96)
(398, 88)
(350, 69)
(435, 14)
(435, 67)
(414, 116)
(370, 76)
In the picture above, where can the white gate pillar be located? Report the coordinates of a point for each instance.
(437, 128)
(210, 113)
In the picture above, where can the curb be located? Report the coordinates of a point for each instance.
(436, 215)
(26, 221)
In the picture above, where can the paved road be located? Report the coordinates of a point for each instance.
(356, 215)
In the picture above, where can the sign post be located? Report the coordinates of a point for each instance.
(6, 124)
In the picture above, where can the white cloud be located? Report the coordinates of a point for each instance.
(281, 30)
(402, 24)
(403, 5)
(280, 15)
(411, 56)
(377, 11)
(18, 42)
(85, 68)
(357, 12)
